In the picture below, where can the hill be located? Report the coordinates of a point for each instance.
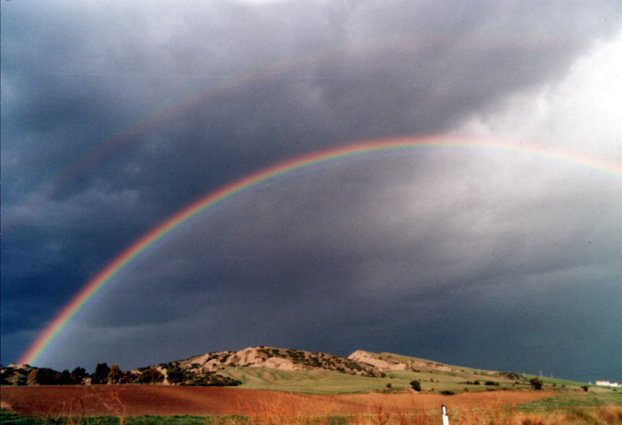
(281, 359)
(283, 369)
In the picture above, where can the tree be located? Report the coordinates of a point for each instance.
(101, 374)
(115, 374)
(43, 376)
(416, 385)
(33, 377)
(128, 377)
(175, 375)
(65, 378)
(150, 376)
(78, 374)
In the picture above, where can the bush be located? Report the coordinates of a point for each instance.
(536, 383)
(150, 376)
(416, 385)
(175, 375)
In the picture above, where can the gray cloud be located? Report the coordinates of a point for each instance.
(129, 112)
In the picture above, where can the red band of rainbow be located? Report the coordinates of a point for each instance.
(51, 331)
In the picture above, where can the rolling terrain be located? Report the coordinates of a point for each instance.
(273, 368)
(279, 385)
(282, 369)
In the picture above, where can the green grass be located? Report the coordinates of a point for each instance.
(13, 419)
(331, 382)
(7, 418)
(594, 398)
(310, 381)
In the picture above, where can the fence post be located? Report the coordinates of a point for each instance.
(444, 413)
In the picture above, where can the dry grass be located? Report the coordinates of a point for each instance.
(282, 411)
(129, 405)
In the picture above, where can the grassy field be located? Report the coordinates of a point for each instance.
(598, 406)
(567, 400)
(310, 382)
(330, 382)
(575, 416)
(7, 418)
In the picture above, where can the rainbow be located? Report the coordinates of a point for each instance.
(82, 298)
(106, 147)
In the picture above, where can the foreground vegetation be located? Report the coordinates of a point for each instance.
(599, 407)
(609, 415)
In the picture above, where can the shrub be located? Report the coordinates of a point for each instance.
(536, 383)
(416, 385)
(150, 376)
(175, 375)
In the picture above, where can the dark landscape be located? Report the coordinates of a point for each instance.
(278, 385)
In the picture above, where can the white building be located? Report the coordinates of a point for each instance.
(607, 384)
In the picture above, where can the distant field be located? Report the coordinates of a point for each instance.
(595, 398)
(457, 380)
(311, 381)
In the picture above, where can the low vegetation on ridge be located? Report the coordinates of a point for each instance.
(285, 369)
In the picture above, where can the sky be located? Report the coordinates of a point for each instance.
(495, 245)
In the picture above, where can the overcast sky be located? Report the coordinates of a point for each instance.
(115, 115)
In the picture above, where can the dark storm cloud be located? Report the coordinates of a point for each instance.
(273, 267)
(268, 83)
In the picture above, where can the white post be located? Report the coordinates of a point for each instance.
(445, 417)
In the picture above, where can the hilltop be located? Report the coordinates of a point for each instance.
(281, 359)
(390, 362)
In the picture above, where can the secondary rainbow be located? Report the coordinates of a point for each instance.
(283, 68)
(51, 331)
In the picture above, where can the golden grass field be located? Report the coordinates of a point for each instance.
(129, 403)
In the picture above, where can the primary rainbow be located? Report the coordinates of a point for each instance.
(52, 183)
(51, 331)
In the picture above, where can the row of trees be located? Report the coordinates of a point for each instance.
(103, 374)
(111, 375)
